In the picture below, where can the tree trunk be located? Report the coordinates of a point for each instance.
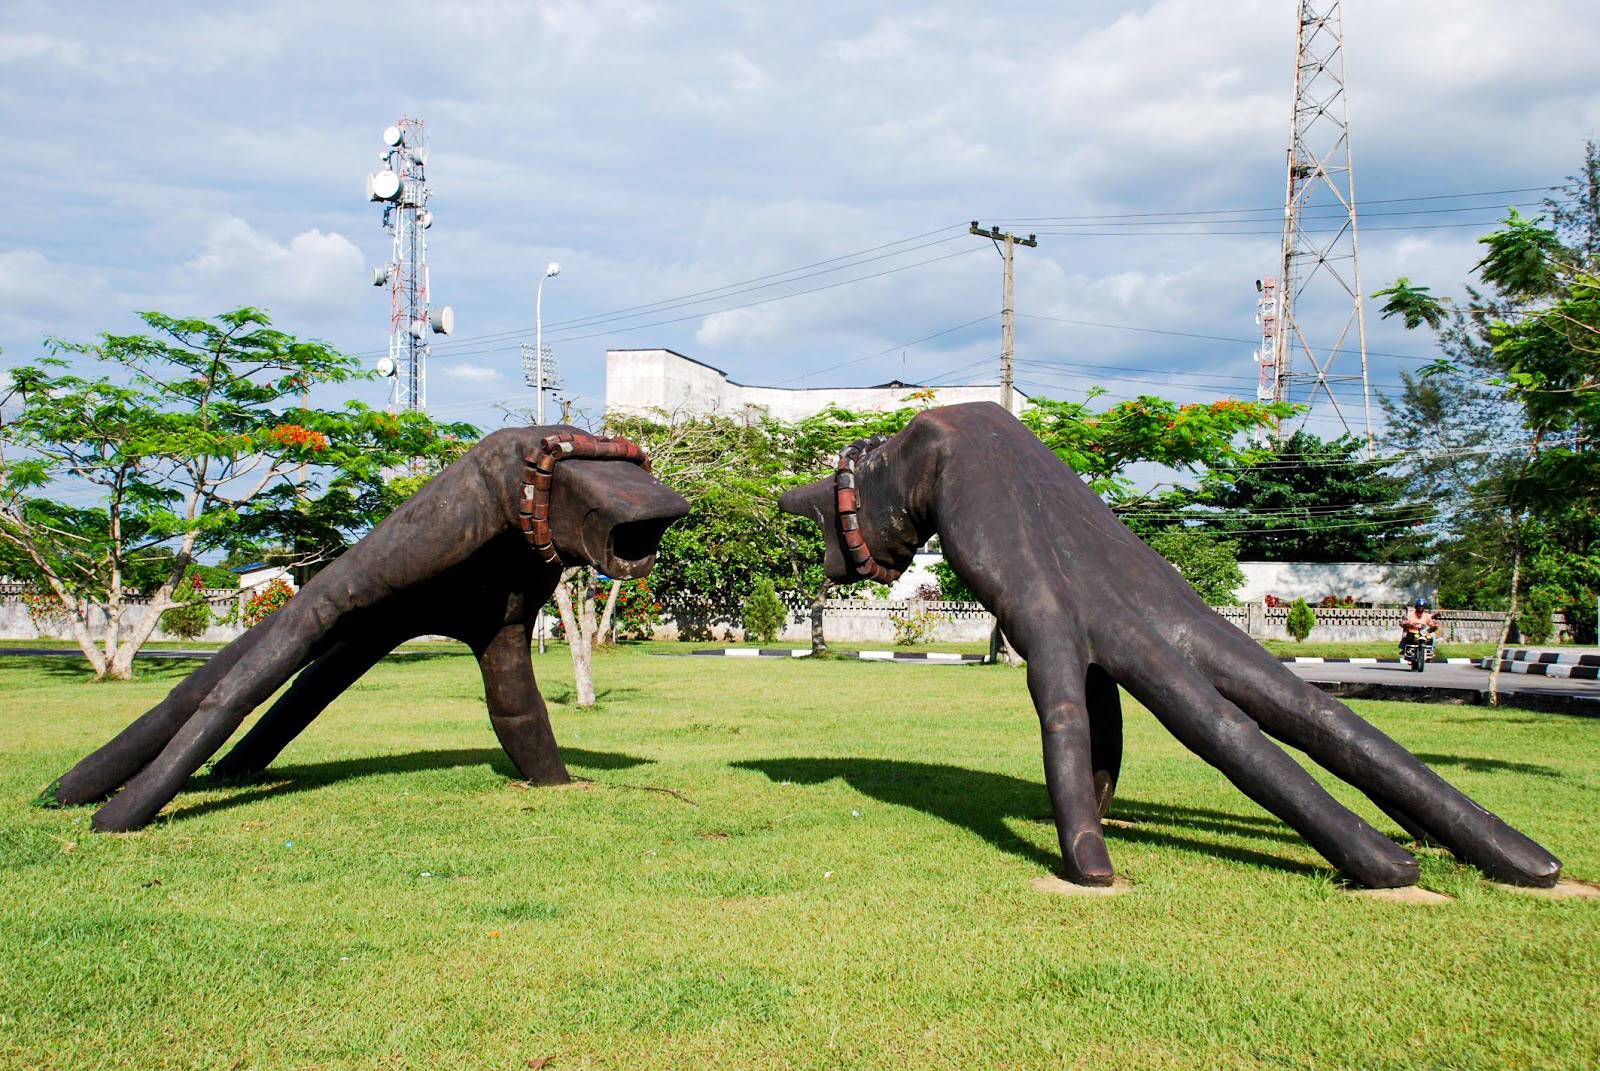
(577, 642)
(819, 643)
(605, 634)
(1000, 650)
(1511, 614)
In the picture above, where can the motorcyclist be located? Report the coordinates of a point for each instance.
(1417, 620)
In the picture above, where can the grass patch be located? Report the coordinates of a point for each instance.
(764, 864)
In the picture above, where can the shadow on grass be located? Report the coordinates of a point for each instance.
(558, 695)
(982, 802)
(288, 779)
(1480, 765)
(1224, 822)
(77, 669)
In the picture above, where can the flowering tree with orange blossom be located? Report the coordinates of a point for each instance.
(1101, 445)
(196, 436)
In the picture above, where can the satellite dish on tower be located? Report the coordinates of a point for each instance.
(443, 319)
(384, 186)
(416, 327)
(385, 367)
(380, 276)
(425, 218)
(391, 135)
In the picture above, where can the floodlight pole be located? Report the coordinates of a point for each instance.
(551, 271)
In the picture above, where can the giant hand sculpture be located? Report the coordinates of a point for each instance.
(1090, 607)
(473, 555)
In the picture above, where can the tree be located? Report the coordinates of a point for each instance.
(1542, 330)
(732, 469)
(1309, 500)
(1209, 564)
(194, 440)
(1101, 446)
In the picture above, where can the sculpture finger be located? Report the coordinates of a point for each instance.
(104, 771)
(1218, 731)
(1418, 799)
(1057, 683)
(517, 710)
(318, 684)
(1104, 703)
(254, 677)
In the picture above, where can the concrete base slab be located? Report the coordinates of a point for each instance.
(1050, 883)
(1410, 894)
(1565, 889)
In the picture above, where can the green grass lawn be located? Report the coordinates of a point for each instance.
(764, 864)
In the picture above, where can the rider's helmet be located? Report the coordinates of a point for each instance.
(1421, 604)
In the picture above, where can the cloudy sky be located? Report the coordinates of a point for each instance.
(781, 191)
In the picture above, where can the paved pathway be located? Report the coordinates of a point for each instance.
(1450, 684)
(1439, 683)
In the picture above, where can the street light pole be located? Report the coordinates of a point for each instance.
(550, 272)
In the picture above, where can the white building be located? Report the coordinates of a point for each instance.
(647, 380)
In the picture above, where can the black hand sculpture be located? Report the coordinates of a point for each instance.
(1090, 607)
(473, 555)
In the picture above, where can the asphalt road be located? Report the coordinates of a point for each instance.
(1348, 680)
(1465, 682)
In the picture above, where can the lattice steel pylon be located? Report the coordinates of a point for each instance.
(401, 187)
(1319, 292)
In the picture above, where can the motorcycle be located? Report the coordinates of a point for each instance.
(1417, 647)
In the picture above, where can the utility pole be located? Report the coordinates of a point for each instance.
(1007, 242)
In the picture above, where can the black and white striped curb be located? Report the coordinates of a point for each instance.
(937, 657)
(1546, 669)
(1545, 657)
(1312, 659)
(1575, 665)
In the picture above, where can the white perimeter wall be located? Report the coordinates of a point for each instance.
(642, 380)
(1381, 585)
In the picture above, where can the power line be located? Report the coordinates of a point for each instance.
(454, 345)
(1276, 208)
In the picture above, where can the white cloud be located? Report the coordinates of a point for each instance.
(16, 47)
(313, 273)
(31, 285)
(659, 150)
(466, 372)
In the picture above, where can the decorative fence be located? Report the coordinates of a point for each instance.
(18, 623)
(1341, 624)
(871, 621)
(844, 621)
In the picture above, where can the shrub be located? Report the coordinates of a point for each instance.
(267, 599)
(637, 612)
(764, 614)
(916, 625)
(1209, 564)
(45, 611)
(192, 614)
(1534, 620)
(1300, 621)
(951, 589)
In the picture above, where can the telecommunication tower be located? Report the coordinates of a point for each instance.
(1319, 280)
(401, 187)
(1267, 318)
